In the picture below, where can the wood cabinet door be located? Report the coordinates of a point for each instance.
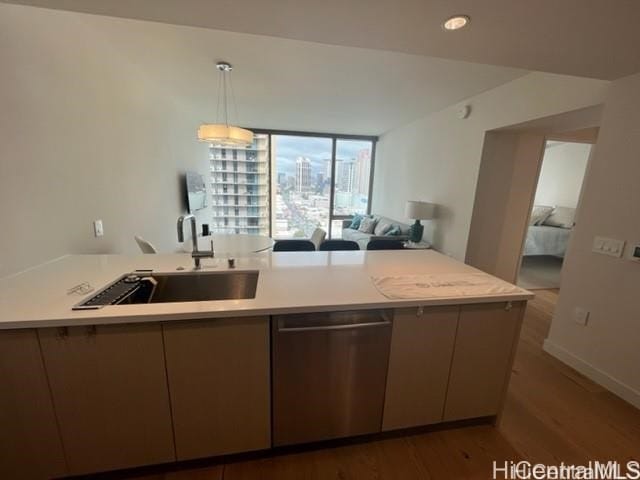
(421, 351)
(485, 344)
(110, 392)
(30, 446)
(219, 379)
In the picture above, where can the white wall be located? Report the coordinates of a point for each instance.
(99, 117)
(607, 348)
(88, 131)
(563, 168)
(437, 158)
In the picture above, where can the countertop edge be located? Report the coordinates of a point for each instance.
(239, 313)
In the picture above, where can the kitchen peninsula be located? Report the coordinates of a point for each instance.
(139, 384)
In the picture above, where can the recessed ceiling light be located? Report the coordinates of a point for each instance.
(456, 22)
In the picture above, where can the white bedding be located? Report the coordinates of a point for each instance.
(546, 240)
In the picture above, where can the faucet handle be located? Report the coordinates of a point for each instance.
(212, 252)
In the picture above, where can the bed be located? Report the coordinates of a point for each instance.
(546, 240)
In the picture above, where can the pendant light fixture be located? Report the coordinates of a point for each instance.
(223, 133)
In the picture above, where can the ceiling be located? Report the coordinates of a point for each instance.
(594, 38)
(278, 83)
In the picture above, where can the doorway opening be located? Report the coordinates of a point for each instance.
(511, 163)
(552, 219)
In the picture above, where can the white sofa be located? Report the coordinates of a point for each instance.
(363, 238)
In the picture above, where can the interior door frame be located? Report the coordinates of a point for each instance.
(547, 139)
(507, 181)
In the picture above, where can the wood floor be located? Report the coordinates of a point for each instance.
(555, 414)
(552, 414)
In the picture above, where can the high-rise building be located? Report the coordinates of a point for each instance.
(346, 176)
(282, 179)
(303, 175)
(240, 187)
(363, 169)
(327, 168)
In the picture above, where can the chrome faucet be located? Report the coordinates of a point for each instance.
(195, 253)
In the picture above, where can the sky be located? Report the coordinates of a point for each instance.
(316, 149)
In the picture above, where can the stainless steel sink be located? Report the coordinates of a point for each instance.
(204, 286)
(147, 287)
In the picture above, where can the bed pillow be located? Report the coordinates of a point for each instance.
(539, 214)
(561, 217)
(367, 225)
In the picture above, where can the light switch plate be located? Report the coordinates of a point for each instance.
(608, 246)
(581, 316)
(98, 229)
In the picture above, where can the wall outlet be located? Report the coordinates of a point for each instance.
(608, 246)
(581, 316)
(98, 229)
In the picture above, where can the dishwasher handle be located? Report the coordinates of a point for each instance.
(323, 328)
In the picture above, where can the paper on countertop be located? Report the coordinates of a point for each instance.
(441, 285)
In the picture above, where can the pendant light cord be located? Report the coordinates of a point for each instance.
(226, 98)
(217, 133)
(225, 89)
(233, 100)
(218, 98)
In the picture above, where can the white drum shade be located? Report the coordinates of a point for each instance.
(420, 210)
(222, 134)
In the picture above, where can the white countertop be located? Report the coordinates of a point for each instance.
(289, 282)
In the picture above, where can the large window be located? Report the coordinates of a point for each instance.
(301, 167)
(287, 184)
(352, 184)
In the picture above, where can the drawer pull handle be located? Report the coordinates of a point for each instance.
(347, 326)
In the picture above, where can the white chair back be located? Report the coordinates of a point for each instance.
(318, 237)
(145, 246)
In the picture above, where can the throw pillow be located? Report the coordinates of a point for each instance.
(355, 221)
(381, 228)
(393, 231)
(561, 217)
(367, 225)
(540, 214)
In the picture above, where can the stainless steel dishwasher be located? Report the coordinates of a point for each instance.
(329, 374)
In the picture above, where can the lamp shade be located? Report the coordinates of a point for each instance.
(420, 210)
(222, 134)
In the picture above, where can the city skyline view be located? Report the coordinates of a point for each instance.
(303, 170)
(316, 149)
(282, 185)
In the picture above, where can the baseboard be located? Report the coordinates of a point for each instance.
(622, 390)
